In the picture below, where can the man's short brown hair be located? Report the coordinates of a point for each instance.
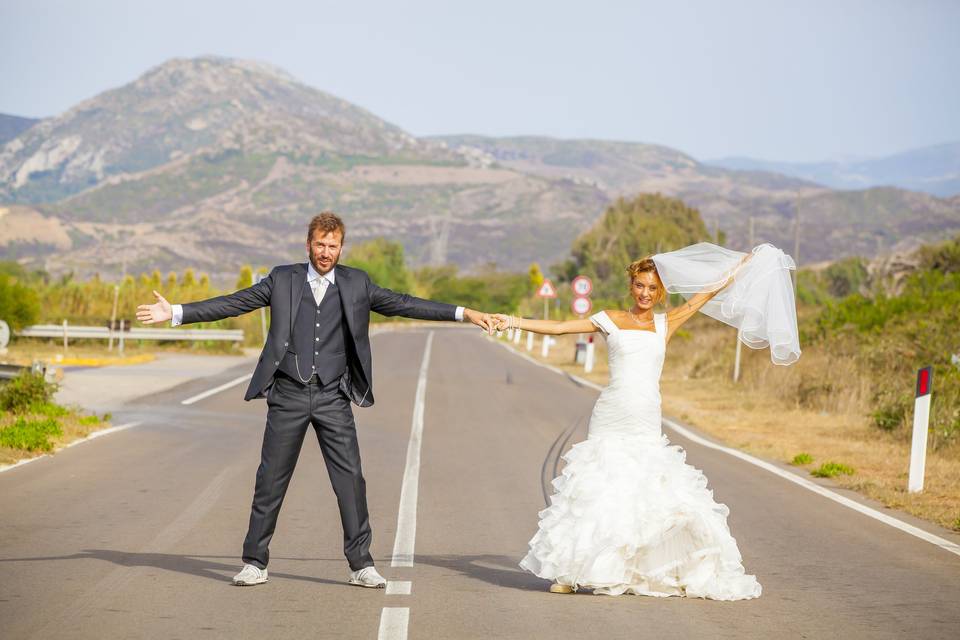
(326, 222)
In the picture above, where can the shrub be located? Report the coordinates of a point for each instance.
(25, 391)
(890, 414)
(831, 469)
(19, 304)
(801, 459)
(48, 409)
(30, 435)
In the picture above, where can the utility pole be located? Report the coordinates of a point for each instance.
(736, 362)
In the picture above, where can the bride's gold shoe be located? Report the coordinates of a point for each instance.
(556, 587)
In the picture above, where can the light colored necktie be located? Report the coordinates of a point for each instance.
(319, 287)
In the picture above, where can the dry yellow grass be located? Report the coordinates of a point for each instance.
(761, 415)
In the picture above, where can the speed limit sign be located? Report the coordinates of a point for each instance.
(581, 305)
(582, 285)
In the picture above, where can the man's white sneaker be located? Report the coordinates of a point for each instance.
(368, 577)
(249, 576)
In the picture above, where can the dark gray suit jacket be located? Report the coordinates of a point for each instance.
(282, 291)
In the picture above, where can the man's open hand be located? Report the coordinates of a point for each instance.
(160, 311)
(483, 320)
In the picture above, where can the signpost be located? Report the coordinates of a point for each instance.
(581, 305)
(921, 422)
(547, 291)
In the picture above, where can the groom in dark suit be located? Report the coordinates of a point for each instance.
(315, 362)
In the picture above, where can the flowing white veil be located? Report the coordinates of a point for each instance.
(759, 302)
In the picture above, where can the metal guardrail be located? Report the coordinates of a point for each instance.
(75, 332)
(11, 371)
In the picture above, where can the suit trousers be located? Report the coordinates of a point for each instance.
(291, 408)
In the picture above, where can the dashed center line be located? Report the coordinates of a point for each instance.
(393, 623)
(399, 587)
(394, 620)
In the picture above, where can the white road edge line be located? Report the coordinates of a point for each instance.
(223, 387)
(407, 515)
(393, 623)
(943, 543)
(95, 434)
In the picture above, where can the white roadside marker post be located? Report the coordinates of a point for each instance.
(516, 336)
(921, 422)
(588, 361)
(546, 291)
(529, 340)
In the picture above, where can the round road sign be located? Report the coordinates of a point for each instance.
(581, 305)
(582, 285)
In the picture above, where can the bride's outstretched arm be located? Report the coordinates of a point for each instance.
(678, 315)
(549, 327)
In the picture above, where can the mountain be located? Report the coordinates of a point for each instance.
(212, 163)
(12, 126)
(934, 170)
(833, 223)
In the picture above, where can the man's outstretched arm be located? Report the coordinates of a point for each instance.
(391, 303)
(233, 304)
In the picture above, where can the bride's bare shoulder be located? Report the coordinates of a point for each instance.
(617, 316)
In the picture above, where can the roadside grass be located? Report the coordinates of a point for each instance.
(832, 469)
(817, 406)
(31, 424)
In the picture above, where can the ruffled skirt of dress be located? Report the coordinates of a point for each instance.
(630, 516)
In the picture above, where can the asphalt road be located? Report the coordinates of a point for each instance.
(136, 535)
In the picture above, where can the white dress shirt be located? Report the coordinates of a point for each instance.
(318, 284)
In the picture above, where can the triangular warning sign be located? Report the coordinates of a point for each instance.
(547, 290)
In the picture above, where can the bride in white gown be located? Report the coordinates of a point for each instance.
(628, 514)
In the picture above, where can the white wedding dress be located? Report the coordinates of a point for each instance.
(628, 514)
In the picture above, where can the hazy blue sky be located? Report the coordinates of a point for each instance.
(801, 80)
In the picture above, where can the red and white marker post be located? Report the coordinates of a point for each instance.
(921, 422)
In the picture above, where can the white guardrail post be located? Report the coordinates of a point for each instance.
(529, 340)
(921, 424)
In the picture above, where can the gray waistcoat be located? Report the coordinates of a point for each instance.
(319, 338)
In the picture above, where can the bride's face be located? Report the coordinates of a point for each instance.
(645, 290)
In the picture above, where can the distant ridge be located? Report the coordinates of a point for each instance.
(934, 170)
(12, 126)
(213, 163)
